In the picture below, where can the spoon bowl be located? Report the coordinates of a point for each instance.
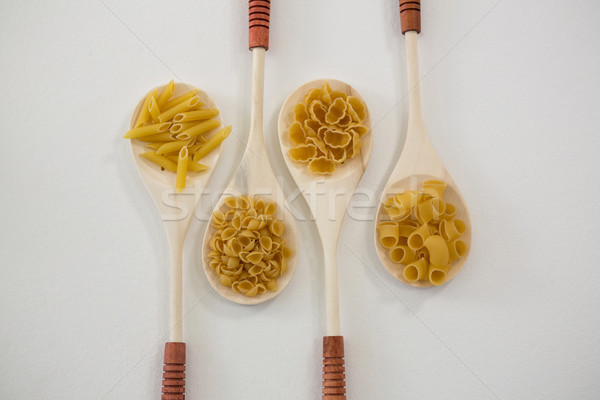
(452, 196)
(300, 172)
(159, 182)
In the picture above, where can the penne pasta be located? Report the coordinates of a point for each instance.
(186, 96)
(170, 147)
(182, 167)
(198, 129)
(197, 115)
(159, 137)
(191, 165)
(166, 94)
(142, 131)
(212, 143)
(186, 105)
(154, 126)
(153, 110)
(160, 160)
(144, 115)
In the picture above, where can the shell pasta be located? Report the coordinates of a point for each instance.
(421, 233)
(178, 132)
(247, 249)
(327, 129)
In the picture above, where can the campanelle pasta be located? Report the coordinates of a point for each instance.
(327, 129)
(247, 249)
(177, 131)
(422, 233)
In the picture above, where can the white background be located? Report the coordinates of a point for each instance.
(511, 97)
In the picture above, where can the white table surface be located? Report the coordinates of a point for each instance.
(511, 97)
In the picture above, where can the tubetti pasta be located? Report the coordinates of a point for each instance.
(422, 233)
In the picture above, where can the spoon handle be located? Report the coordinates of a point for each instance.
(334, 370)
(173, 384)
(410, 15)
(259, 14)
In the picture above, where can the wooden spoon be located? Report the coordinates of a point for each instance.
(418, 161)
(176, 210)
(255, 176)
(327, 197)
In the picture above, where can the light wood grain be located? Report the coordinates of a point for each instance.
(176, 209)
(418, 163)
(327, 195)
(255, 177)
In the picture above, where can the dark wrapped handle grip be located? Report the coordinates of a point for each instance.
(410, 15)
(334, 370)
(259, 15)
(173, 383)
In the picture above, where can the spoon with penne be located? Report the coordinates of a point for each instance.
(175, 145)
(423, 229)
(324, 135)
(250, 245)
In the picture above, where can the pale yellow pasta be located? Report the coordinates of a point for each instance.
(144, 114)
(248, 252)
(452, 229)
(199, 129)
(300, 113)
(336, 139)
(181, 126)
(450, 211)
(175, 146)
(388, 234)
(191, 165)
(212, 143)
(153, 109)
(159, 137)
(162, 136)
(165, 95)
(297, 134)
(434, 187)
(437, 274)
(182, 166)
(321, 165)
(430, 210)
(438, 250)
(142, 131)
(303, 153)
(336, 111)
(197, 115)
(420, 225)
(456, 249)
(169, 113)
(177, 100)
(416, 270)
(160, 160)
(322, 121)
(358, 109)
(402, 255)
(417, 238)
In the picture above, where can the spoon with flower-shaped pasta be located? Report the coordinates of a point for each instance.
(423, 230)
(324, 134)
